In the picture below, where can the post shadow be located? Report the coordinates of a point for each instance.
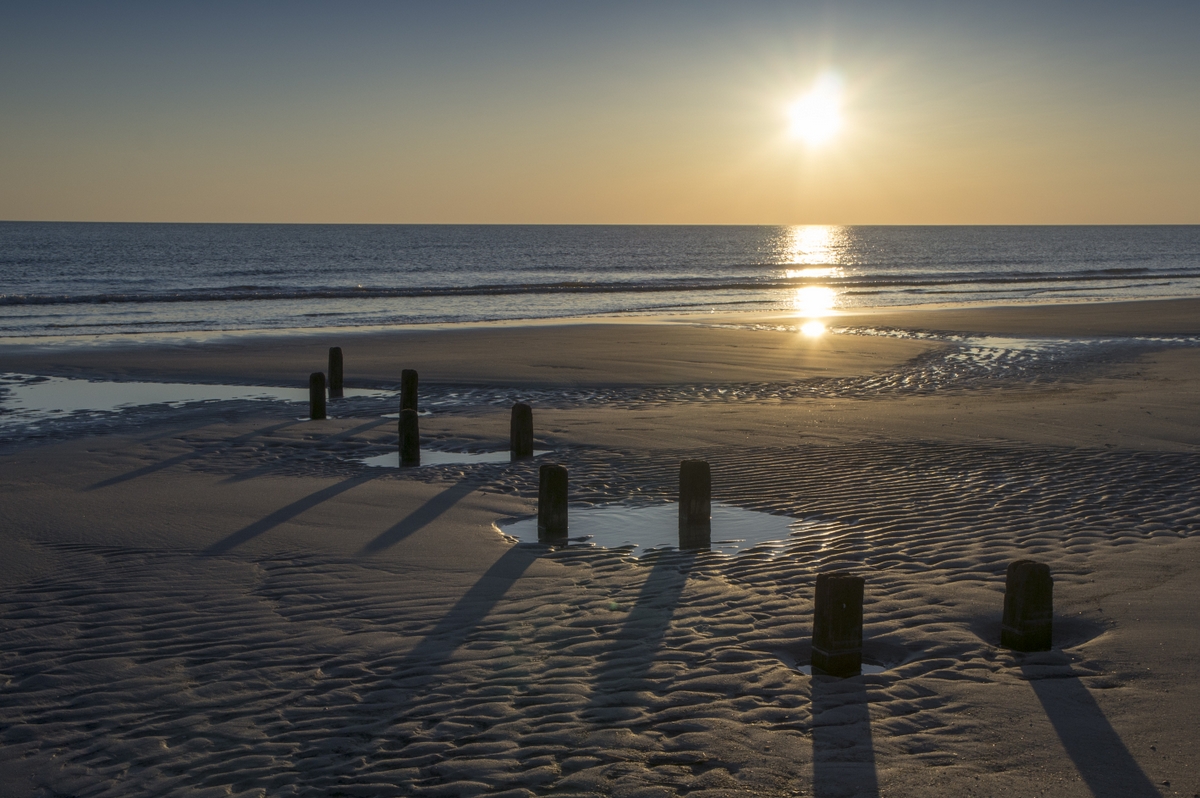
(341, 436)
(392, 697)
(437, 647)
(623, 668)
(267, 468)
(287, 513)
(419, 518)
(843, 748)
(1099, 754)
(180, 458)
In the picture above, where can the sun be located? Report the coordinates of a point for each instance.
(817, 116)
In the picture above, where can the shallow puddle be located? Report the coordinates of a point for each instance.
(28, 398)
(866, 669)
(430, 457)
(643, 529)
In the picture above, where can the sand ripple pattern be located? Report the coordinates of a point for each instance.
(963, 363)
(142, 672)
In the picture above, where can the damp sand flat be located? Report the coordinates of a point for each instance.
(233, 606)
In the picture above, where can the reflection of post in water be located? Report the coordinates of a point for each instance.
(410, 438)
(335, 372)
(552, 504)
(843, 749)
(695, 505)
(316, 396)
(520, 438)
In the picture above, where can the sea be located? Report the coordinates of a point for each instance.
(81, 281)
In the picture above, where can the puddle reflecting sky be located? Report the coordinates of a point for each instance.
(435, 458)
(26, 398)
(614, 526)
(866, 669)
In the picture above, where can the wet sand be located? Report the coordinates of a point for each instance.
(223, 600)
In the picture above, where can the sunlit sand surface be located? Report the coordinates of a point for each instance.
(219, 597)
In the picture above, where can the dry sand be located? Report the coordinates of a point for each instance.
(222, 602)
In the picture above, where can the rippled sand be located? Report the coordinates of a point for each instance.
(223, 600)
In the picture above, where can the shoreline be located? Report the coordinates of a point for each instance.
(615, 351)
(1010, 312)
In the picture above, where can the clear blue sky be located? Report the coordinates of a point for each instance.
(598, 112)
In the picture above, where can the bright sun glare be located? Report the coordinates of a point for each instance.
(817, 116)
(813, 301)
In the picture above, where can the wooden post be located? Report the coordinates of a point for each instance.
(316, 395)
(838, 625)
(521, 431)
(1028, 607)
(410, 438)
(695, 505)
(408, 389)
(552, 504)
(335, 372)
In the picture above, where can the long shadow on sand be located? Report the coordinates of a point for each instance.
(622, 671)
(843, 749)
(338, 437)
(1098, 752)
(397, 695)
(180, 458)
(267, 468)
(437, 647)
(287, 513)
(420, 517)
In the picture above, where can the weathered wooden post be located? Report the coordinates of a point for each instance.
(838, 625)
(335, 372)
(695, 505)
(408, 389)
(552, 504)
(316, 395)
(410, 439)
(1028, 607)
(521, 431)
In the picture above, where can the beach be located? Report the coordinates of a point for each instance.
(224, 601)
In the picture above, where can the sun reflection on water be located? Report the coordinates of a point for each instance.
(813, 301)
(813, 244)
(813, 272)
(812, 252)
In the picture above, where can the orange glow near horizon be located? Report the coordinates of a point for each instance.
(410, 114)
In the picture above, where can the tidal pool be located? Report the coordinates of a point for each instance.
(643, 529)
(430, 457)
(26, 398)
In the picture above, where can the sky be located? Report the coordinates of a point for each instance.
(599, 112)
